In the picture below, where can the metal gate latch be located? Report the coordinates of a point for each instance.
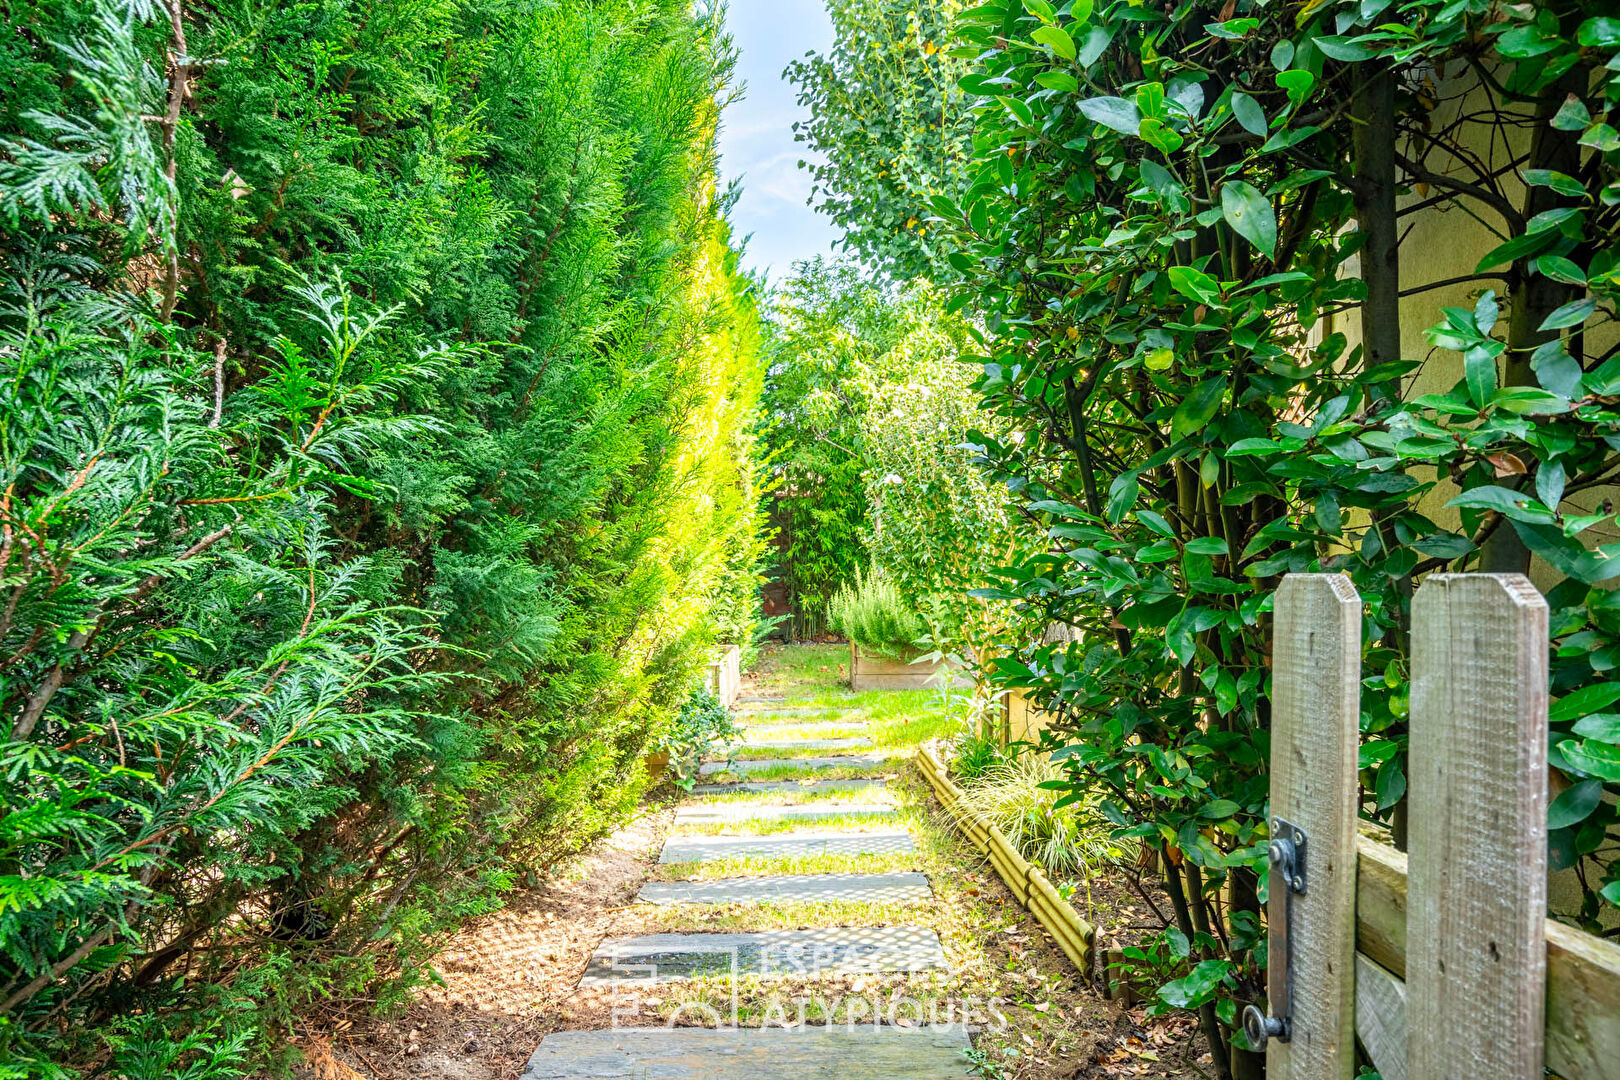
(1287, 880)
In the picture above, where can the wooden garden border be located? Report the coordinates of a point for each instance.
(1028, 882)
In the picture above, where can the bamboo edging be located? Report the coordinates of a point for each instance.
(1028, 882)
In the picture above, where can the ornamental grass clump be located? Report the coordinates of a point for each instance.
(1019, 796)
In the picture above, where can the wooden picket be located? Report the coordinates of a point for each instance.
(1456, 974)
(1315, 710)
(1476, 965)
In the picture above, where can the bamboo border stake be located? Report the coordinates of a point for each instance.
(1476, 962)
(1315, 729)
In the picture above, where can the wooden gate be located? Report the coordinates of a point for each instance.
(1448, 970)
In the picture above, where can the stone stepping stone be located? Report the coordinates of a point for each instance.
(793, 889)
(864, 761)
(772, 786)
(729, 813)
(701, 849)
(844, 1052)
(805, 954)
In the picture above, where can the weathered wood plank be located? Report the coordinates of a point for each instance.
(1583, 1004)
(1381, 904)
(1583, 971)
(1315, 726)
(1476, 939)
(1381, 1018)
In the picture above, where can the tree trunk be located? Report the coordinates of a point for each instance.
(1208, 1022)
(1532, 297)
(1374, 195)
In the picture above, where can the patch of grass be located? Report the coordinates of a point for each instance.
(799, 772)
(839, 729)
(745, 752)
(874, 792)
(801, 669)
(758, 918)
(890, 863)
(772, 826)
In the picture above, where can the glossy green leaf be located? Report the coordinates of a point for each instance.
(1298, 83)
(1571, 314)
(1057, 39)
(1200, 405)
(1195, 284)
(1604, 727)
(1249, 114)
(1601, 760)
(1574, 804)
(1250, 215)
(1113, 112)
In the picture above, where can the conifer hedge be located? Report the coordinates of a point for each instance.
(376, 469)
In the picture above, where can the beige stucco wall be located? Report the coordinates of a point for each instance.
(1440, 244)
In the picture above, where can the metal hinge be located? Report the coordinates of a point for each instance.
(1288, 846)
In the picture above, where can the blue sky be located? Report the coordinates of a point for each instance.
(756, 137)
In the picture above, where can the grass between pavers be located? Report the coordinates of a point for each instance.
(748, 752)
(867, 793)
(1002, 967)
(758, 917)
(772, 826)
(766, 866)
(802, 772)
(1039, 1022)
(820, 730)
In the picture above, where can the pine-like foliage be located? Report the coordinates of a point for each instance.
(376, 394)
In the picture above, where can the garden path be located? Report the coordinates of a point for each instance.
(819, 801)
(515, 980)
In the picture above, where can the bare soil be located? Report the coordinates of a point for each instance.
(509, 977)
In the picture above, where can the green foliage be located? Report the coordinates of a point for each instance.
(868, 413)
(891, 125)
(976, 753)
(940, 525)
(871, 612)
(831, 340)
(378, 471)
(1159, 220)
(700, 726)
(1020, 795)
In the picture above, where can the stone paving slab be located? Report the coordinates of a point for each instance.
(812, 954)
(793, 889)
(681, 849)
(708, 768)
(729, 813)
(757, 786)
(858, 1052)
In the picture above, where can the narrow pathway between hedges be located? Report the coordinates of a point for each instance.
(796, 839)
(829, 878)
(806, 913)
